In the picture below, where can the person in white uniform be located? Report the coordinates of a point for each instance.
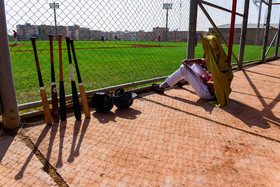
(194, 74)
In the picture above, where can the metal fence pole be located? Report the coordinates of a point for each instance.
(266, 30)
(277, 42)
(192, 29)
(231, 32)
(7, 90)
(243, 34)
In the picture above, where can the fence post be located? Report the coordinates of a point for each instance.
(192, 29)
(7, 90)
(243, 34)
(231, 33)
(266, 30)
(277, 42)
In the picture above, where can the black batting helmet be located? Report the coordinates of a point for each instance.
(102, 102)
(123, 99)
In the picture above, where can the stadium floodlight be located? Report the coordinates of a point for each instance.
(54, 6)
(167, 6)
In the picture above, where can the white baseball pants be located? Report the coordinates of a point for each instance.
(190, 74)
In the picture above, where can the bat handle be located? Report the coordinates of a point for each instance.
(47, 112)
(84, 101)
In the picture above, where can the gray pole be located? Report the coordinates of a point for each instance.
(8, 100)
(277, 42)
(266, 30)
(243, 34)
(258, 28)
(166, 30)
(55, 21)
(192, 29)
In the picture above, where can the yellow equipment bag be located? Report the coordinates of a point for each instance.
(217, 64)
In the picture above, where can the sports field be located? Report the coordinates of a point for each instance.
(103, 64)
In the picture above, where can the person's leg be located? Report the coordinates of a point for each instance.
(180, 74)
(191, 77)
(198, 69)
(170, 81)
(196, 83)
(175, 77)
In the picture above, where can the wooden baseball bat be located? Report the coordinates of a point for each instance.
(81, 86)
(55, 110)
(62, 102)
(75, 97)
(46, 109)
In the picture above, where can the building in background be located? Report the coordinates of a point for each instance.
(41, 32)
(251, 33)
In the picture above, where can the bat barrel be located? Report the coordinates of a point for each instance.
(59, 37)
(76, 62)
(33, 40)
(68, 49)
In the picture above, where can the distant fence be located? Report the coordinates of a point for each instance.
(120, 42)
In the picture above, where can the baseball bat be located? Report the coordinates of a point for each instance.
(55, 110)
(77, 109)
(62, 102)
(46, 109)
(81, 86)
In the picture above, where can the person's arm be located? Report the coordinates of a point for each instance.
(209, 83)
(205, 81)
(196, 61)
(203, 78)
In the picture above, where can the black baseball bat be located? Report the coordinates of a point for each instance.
(45, 103)
(62, 102)
(55, 110)
(81, 86)
(75, 98)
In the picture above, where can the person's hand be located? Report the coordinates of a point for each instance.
(203, 78)
(187, 61)
(210, 83)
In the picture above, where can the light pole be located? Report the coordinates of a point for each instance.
(258, 27)
(167, 6)
(54, 6)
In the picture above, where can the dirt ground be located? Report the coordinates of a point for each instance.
(175, 139)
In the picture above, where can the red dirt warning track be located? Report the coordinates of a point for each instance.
(175, 139)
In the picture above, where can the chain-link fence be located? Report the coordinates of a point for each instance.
(256, 26)
(117, 41)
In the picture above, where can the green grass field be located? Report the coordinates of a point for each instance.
(103, 64)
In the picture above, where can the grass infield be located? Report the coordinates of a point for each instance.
(103, 64)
